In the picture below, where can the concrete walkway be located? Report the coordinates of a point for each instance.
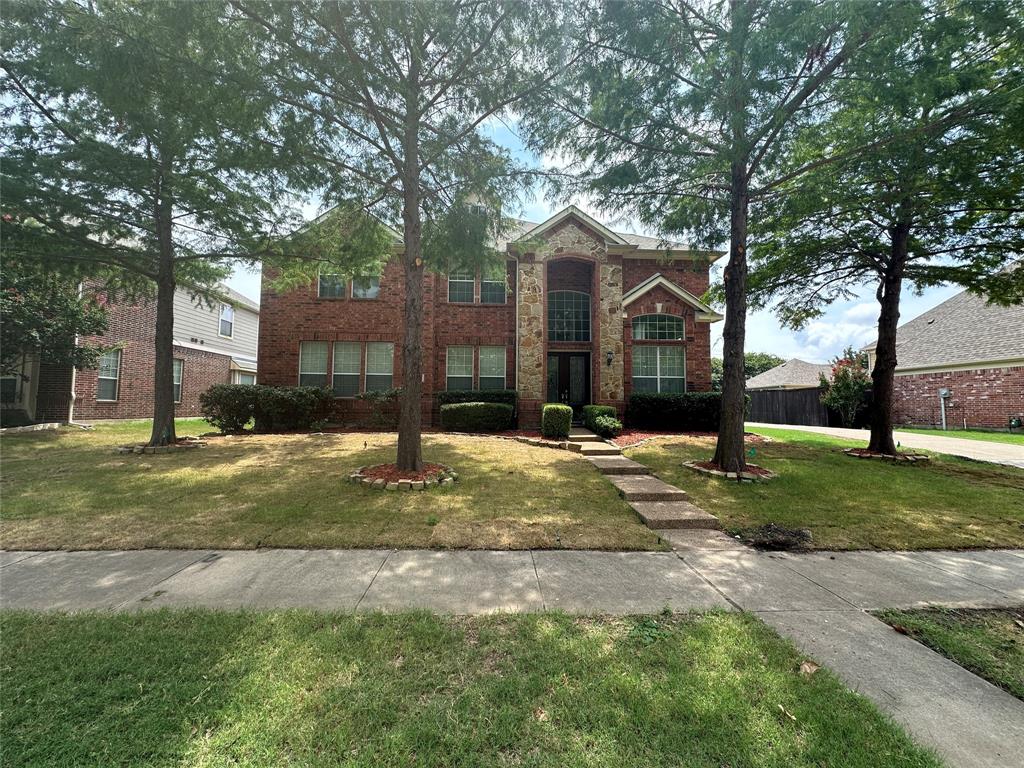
(980, 450)
(817, 600)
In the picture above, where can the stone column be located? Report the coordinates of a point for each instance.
(530, 376)
(610, 308)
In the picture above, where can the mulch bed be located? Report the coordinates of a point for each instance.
(753, 469)
(390, 473)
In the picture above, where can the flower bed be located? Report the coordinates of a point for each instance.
(388, 477)
(752, 473)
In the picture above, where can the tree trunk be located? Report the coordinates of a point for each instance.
(729, 452)
(884, 372)
(163, 375)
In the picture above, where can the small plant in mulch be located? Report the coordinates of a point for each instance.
(390, 477)
(777, 538)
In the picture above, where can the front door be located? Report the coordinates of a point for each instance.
(569, 380)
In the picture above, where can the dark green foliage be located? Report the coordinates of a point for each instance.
(229, 407)
(507, 396)
(382, 405)
(555, 420)
(607, 426)
(686, 412)
(476, 417)
(591, 412)
(754, 363)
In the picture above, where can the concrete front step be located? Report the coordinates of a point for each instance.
(646, 488)
(674, 514)
(580, 435)
(618, 465)
(598, 449)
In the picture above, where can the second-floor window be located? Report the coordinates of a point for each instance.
(568, 316)
(366, 288)
(227, 320)
(492, 285)
(331, 286)
(460, 287)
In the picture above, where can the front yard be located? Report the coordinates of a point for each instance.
(850, 503)
(70, 490)
(298, 688)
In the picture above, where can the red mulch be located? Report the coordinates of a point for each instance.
(751, 468)
(630, 437)
(392, 474)
(534, 433)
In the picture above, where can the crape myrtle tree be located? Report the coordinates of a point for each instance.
(391, 103)
(938, 199)
(131, 151)
(682, 115)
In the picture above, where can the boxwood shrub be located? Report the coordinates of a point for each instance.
(607, 426)
(228, 407)
(282, 409)
(507, 396)
(685, 412)
(555, 420)
(592, 412)
(476, 417)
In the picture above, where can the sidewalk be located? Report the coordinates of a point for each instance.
(817, 600)
(997, 453)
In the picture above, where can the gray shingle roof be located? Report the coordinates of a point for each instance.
(961, 330)
(792, 374)
(516, 228)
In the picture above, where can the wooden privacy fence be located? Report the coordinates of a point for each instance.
(788, 406)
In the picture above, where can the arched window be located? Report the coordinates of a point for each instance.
(658, 328)
(568, 316)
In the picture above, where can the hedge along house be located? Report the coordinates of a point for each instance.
(578, 314)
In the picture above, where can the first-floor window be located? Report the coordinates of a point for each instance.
(659, 369)
(248, 379)
(365, 287)
(459, 368)
(313, 364)
(109, 370)
(346, 368)
(492, 367)
(380, 365)
(179, 365)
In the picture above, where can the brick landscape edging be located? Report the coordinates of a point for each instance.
(446, 477)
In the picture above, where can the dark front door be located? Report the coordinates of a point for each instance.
(569, 379)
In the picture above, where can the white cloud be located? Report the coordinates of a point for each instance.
(862, 312)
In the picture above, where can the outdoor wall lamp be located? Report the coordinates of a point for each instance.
(608, 356)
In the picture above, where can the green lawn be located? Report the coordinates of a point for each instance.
(1013, 438)
(850, 503)
(989, 643)
(296, 688)
(70, 489)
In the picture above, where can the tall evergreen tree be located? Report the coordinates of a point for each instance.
(938, 199)
(684, 114)
(390, 102)
(131, 149)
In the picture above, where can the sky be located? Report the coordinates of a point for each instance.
(850, 323)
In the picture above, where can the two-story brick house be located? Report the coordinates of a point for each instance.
(579, 314)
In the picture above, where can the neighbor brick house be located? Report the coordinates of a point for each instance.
(965, 355)
(212, 345)
(578, 314)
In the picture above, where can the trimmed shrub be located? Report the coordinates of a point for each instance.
(228, 407)
(607, 426)
(476, 417)
(507, 396)
(592, 412)
(283, 409)
(555, 420)
(685, 412)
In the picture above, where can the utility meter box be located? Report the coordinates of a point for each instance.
(944, 392)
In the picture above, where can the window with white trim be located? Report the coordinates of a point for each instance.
(380, 366)
(179, 366)
(460, 287)
(658, 328)
(492, 368)
(330, 286)
(313, 364)
(241, 377)
(346, 368)
(659, 369)
(459, 368)
(107, 376)
(492, 285)
(365, 287)
(227, 320)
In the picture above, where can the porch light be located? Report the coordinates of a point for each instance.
(608, 356)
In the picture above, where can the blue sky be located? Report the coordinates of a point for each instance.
(848, 323)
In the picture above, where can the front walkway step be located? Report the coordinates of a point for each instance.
(646, 488)
(598, 449)
(581, 435)
(674, 514)
(618, 465)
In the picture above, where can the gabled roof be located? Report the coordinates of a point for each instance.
(792, 374)
(573, 211)
(705, 314)
(962, 330)
(236, 298)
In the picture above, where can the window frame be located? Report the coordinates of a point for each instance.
(352, 289)
(502, 356)
(116, 379)
(323, 373)
(178, 366)
(590, 311)
(661, 316)
(502, 281)
(236, 378)
(366, 366)
(358, 372)
(343, 285)
(460, 278)
(447, 367)
(658, 377)
(230, 321)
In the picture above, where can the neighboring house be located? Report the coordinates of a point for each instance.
(965, 356)
(789, 393)
(212, 345)
(578, 314)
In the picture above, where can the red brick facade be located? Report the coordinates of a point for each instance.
(986, 397)
(299, 315)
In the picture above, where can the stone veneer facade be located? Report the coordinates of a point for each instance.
(572, 242)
